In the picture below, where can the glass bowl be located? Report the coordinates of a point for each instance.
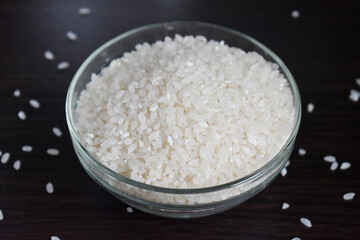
(158, 200)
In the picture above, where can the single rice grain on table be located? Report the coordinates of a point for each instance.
(34, 103)
(53, 151)
(166, 115)
(84, 11)
(63, 65)
(22, 115)
(17, 93)
(56, 131)
(329, 158)
(17, 165)
(345, 165)
(5, 158)
(49, 55)
(27, 148)
(306, 222)
(349, 196)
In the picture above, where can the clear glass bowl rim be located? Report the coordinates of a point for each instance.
(70, 116)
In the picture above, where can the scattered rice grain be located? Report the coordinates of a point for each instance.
(1, 215)
(302, 152)
(306, 222)
(296, 238)
(349, 196)
(283, 172)
(5, 158)
(84, 11)
(27, 148)
(285, 206)
(63, 65)
(34, 103)
(57, 132)
(17, 93)
(49, 187)
(129, 210)
(54, 238)
(354, 95)
(53, 151)
(49, 55)
(310, 107)
(334, 166)
(71, 36)
(17, 165)
(22, 115)
(345, 165)
(295, 14)
(358, 81)
(330, 158)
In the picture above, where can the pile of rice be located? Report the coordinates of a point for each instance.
(186, 113)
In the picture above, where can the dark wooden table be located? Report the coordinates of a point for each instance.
(321, 48)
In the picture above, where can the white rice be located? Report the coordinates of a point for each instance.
(49, 187)
(84, 11)
(349, 196)
(306, 222)
(129, 210)
(357, 81)
(0, 153)
(302, 152)
(329, 158)
(345, 165)
(310, 107)
(1, 215)
(186, 113)
(334, 166)
(283, 172)
(17, 93)
(285, 206)
(17, 165)
(354, 95)
(49, 55)
(56, 131)
(54, 238)
(53, 151)
(296, 238)
(295, 14)
(63, 65)
(5, 158)
(71, 36)
(34, 103)
(22, 115)
(27, 148)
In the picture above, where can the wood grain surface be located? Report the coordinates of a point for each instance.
(321, 48)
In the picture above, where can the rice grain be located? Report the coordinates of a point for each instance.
(56, 131)
(345, 165)
(285, 206)
(63, 65)
(27, 148)
(306, 222)
(71, 36)
(34, 103)
(49, 55)
(84, 11)
(349, 196)
(1, 215)
(49, 188)
(302, 152)
(5, 158)
(310, 107)
(22, 115)
(330, 158)
(17, 93)
(295, 14)
(17, 165)
(53, 151)
(334, 166)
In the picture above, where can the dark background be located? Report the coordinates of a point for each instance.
(321, 49)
